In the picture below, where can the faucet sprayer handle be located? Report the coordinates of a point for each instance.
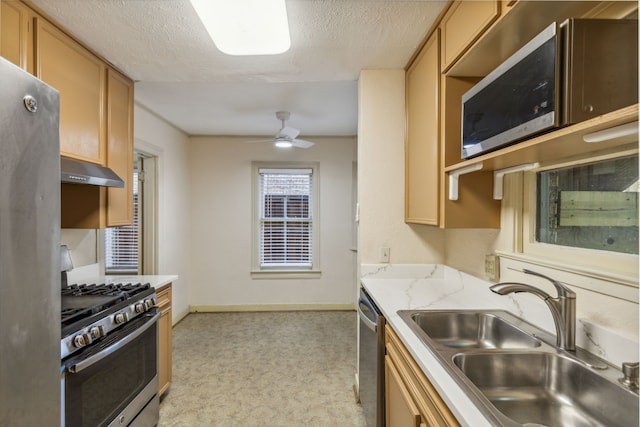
(563, 290)
(630, 372)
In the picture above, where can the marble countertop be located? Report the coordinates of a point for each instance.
(401, 287)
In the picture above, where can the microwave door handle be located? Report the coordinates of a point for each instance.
(92, 360)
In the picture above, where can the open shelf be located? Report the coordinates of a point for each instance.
(560, 145)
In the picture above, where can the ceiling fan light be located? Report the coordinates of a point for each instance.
(283, 144)
(246, 27)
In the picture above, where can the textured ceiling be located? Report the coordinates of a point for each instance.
(183, 78)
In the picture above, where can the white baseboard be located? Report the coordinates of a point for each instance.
(271, 307)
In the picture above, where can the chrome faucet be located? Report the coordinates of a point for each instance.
(563, 308)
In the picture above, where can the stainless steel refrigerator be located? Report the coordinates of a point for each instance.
(29, 250)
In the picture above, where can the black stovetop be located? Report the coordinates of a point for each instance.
(83, 304)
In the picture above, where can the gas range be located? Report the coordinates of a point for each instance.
(92, 311)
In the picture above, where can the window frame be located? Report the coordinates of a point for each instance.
(605, 272)
(274, 272)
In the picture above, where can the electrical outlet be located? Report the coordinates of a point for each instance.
(385, 254)
(492, 267)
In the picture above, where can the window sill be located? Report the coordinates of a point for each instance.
(617, 285)
(286, 274)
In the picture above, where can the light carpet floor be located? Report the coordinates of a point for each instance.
(275, 369)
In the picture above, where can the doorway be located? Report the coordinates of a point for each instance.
(131, 249)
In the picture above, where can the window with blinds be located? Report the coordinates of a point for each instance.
(122, 247)
(286, 219)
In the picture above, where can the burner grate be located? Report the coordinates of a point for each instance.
(104, 289)
(82, 303)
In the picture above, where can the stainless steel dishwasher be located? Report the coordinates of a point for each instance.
(371, 360)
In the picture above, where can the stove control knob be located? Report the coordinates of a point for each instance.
(120, 318)
(150, 303)
(140, 307)
(96, 332)
(81, 340)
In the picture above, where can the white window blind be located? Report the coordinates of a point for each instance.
(122, 248)
(286, 227)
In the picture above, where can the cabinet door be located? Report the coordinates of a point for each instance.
(463, 24)
(422, 158)
(16, 34)
(164, 340)
(414, 393)
(400, 409)
(79, 76)
(120, 147)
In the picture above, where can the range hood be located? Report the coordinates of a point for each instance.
(79, 172)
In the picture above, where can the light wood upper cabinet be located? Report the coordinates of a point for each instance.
(16, 34)
(120, 147)
(463, 24)
(422, 154)
(96, 125)
(476, 37)
(89, 206)
(80, 77)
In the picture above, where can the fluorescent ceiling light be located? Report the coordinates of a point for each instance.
(246, 27)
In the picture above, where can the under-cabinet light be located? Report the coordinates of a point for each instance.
(626, 129)
(246, 27)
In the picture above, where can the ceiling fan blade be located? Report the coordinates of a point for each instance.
(301, 143)
(288, 132)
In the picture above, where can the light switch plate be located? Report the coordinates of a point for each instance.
(385, 254)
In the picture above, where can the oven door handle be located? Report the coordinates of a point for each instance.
(92, 360)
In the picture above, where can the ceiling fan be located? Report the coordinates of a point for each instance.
(286, 136)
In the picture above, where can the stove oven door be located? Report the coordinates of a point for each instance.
(115, 381)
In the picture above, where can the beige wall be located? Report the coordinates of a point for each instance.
(381, 124)
(221, 225)
(155, 136)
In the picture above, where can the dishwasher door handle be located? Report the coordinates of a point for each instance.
(368, 322)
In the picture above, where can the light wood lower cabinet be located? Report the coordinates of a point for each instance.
(410, 400)
(164, 338)
(400, 407)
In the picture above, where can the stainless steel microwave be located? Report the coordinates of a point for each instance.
(566, 74)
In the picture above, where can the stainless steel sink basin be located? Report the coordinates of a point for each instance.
(539, 388)
(472, 330)
(517, 376)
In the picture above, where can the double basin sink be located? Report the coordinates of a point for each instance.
(517, 377)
